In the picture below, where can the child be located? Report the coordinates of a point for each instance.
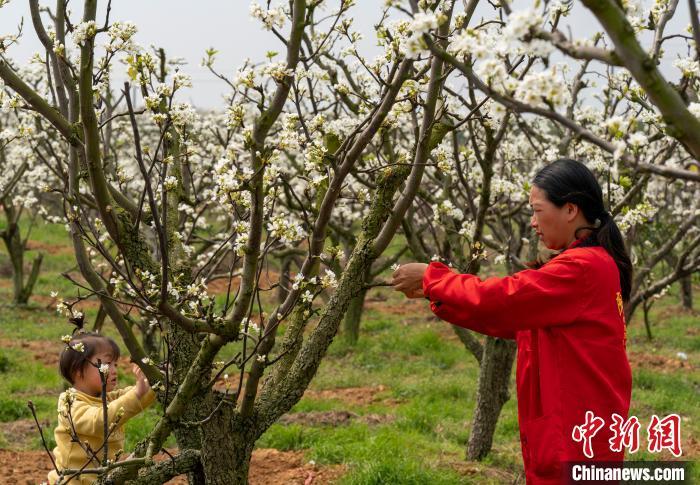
(80, 410)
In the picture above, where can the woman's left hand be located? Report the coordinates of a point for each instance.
(408, 279)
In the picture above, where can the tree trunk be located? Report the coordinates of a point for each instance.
(687, 292)
(149, 338)
(183, 349)
(353, 317)
(28, 287)
(647, 323)
(13, 243)
(99, 320)
(470, 341)
(227, 448)
(493, 393)
(15, 249)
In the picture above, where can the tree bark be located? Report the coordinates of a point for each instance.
(228, 448)
(647, 323)
(99, 319)
(470, 341)
(353, 317)
(28, 288)
(183, 351)
(492, 394)
(687, 292)
(21, 291)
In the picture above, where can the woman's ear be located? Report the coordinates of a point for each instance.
(571, 211)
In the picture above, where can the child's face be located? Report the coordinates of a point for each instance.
(89, 380)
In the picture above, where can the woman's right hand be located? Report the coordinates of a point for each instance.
(408, 279)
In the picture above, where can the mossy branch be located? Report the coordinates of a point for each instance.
(289, 390)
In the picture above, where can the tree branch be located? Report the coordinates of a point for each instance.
(682, 125)
(39, 104)
(589, 53)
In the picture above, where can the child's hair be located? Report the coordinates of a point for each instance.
(75, 357)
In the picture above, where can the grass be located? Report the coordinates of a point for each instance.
(428, 379)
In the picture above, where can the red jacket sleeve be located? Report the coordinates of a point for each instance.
(453, 315)
(555, 294)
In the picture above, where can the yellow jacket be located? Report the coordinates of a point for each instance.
(87, 416)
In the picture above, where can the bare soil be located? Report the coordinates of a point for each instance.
(273, 467)
(674, 311)
(267, 467)
(20, 434)
(48, 351)
(49, 248)
(44, 351)
(415, 308)
(658, 363)
(356, 396)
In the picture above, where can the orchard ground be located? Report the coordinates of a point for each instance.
(396, 408)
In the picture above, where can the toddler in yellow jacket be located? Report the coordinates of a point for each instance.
(80, 413)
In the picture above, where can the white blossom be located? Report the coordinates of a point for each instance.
(272, 18)
(694, 108)
(687, 66)
(329, 279)
(84, 31)
(286, 229)
(298, 279)
(637, 140)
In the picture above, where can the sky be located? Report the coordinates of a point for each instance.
(185, 29)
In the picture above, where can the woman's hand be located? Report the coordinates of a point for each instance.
(408, 278)
(142, 385)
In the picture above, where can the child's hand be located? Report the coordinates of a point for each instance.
(142, 385)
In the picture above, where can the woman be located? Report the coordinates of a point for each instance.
(567, 317)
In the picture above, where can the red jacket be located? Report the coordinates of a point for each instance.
(568, 321)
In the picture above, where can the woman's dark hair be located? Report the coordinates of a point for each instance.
(567, 180)
(74, 357)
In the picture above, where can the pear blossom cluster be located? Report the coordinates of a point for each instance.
(270, 18)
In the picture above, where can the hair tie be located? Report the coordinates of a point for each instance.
(596, 223)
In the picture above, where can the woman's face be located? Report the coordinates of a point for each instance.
(552, 223)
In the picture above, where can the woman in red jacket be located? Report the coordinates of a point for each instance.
(567, 317)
